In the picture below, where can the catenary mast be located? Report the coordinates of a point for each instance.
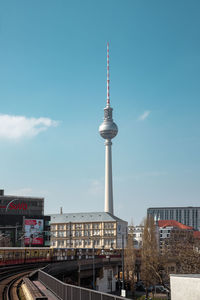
(108, 130)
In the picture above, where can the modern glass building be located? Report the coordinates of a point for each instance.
(188, 215)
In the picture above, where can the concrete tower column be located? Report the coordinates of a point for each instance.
(108, 177)
(108, 130)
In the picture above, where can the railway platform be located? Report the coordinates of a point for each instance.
(45, 291)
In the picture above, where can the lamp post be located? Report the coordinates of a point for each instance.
(93, 267)
(93, 270)
(111, 249)
(123, 291)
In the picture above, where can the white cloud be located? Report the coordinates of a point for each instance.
(17, 127)
(22, 192)
(96, 187)
(144, 115)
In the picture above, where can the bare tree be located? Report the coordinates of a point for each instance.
(182, 251)
(150, 262)
(129, 262)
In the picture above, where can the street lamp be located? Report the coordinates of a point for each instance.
(93, 268)
(93, 265)
(123, 291)
(111, 277)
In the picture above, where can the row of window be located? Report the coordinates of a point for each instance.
(83, 233)
(81, 243)
(185, 216)
(82, 226)
(137, 235)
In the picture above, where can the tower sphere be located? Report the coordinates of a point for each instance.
(108, 130)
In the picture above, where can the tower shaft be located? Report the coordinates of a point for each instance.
(108, 130)
(108, 177)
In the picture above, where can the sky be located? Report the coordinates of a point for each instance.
(53, 92)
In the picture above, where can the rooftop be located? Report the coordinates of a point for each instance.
(173, 223)
(174, 207)
(3, 196)
(84, 217)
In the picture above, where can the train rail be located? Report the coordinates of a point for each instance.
(10, 289)
(11, 278)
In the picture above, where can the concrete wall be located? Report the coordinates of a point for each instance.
(107, 283)
(185, 287)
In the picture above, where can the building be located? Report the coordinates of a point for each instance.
(136, 233)
(85, 230)
(185, 286)
(22, 221)
(166, 227)
(189, 216)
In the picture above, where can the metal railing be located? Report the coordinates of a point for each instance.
(66, 291)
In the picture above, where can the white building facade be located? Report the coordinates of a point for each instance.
(185, 287)
(136, 232)
(85, 230)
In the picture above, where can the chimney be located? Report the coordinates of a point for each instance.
(61, 211)
(1, 192)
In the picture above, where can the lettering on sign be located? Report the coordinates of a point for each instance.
(18, 206)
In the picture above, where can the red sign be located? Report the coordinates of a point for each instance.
(18, 206)
(33, 241)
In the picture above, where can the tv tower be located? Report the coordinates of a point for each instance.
(108, 130)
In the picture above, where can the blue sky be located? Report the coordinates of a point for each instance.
(53, 91)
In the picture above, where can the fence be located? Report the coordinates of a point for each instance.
(70, 292)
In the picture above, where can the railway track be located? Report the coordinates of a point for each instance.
(10, 279)
(10, 286)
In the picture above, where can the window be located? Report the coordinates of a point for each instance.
(176, 214)
(61, 233)
(96, 226)
(61, 227)
(53, 227)
(78, 233)
(60, 243)
(179, 216)
(109, 225)
(78, 226)
(188, 217)
(96, 242)
(96, 232)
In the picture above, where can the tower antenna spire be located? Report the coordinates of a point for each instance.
(108, 77)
